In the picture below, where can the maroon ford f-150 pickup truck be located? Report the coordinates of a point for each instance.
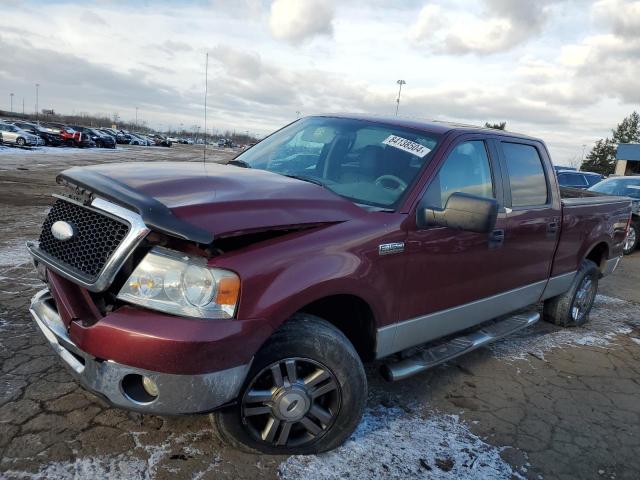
(257, 289)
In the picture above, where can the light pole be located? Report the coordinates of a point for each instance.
(11, 97)
(37, 88)
(399, 82)
(136, 118)
(22, 105)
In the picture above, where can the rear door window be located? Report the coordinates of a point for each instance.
(526, 175)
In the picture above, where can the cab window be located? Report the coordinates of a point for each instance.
(526, 175)
(465, 170)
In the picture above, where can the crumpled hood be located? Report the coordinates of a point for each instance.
(219, 199)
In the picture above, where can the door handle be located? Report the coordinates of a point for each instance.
(552, 228)
(496, 238)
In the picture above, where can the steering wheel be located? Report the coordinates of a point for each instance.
(400, 184)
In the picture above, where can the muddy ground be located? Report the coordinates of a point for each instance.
(545, 403)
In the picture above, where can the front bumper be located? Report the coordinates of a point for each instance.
(177, 394)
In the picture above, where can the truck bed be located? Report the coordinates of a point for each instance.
(576, 197)
(589, 219)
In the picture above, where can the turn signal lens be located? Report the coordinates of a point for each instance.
(228, 290)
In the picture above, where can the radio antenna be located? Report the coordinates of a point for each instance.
(206, 89)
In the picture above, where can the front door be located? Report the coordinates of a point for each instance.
(449, 272)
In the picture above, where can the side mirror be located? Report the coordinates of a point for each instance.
(462, 212)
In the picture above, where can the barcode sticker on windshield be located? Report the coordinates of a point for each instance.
(406, 145)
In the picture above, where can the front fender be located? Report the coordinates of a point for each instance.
(304, 282)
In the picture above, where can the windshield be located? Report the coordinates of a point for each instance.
(627, 187)
(367, 162)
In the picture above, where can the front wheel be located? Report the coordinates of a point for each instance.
(631, 240)
(21, 142)
(305, 393)
(571, 309)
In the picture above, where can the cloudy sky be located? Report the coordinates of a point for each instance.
(566, 71)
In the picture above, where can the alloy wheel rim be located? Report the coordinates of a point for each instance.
(291, 403)
(583, 299)
(630, 239)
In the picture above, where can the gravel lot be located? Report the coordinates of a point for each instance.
(545, 403)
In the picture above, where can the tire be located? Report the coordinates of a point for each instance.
(631, 241)
(69, 143)
(21, 142)
(99, 144)
(323, 359)
(571, 309)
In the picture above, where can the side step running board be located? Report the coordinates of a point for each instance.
(434, 355)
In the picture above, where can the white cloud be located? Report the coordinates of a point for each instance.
(298, 20)
(500, 26)
(574, 55)
(566, 72)
(622, 15)
(429, 22)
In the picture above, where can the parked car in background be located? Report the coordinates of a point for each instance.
(333, 242)
(136, 139)
(50, 138)
(12, 135)
(575, 179)
(161, 140)
(101, 140)
(628, 187)
(70, 137)
(123, 137)
(109, 132)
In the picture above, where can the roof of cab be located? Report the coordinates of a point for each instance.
(431, 126)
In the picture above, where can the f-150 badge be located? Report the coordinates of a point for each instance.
(389, 248)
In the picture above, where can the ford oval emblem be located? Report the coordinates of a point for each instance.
(62, 231)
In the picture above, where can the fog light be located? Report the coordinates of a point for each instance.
(150, 386)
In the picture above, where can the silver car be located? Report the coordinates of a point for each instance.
(15, 136)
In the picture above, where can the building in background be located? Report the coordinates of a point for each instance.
(628, 159)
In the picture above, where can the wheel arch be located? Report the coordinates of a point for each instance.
(598, 254)
(350, 314)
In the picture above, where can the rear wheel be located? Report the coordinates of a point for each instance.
(631, 241)
(305, 392)
(571, 309)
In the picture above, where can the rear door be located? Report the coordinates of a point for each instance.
(533, 213)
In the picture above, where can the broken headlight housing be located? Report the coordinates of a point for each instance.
(177, 283)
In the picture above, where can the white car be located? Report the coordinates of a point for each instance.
(15, 136)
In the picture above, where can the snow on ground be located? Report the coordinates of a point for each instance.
(55, 150)
(608, 318)
(392, 444)
(144, 466)
(14, 254)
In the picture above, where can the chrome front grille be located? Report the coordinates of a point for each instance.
(104, 235)
(96, 237)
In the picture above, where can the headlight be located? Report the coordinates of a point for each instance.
(177, 283)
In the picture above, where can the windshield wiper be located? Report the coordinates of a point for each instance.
(239, 163)
(304, 178)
